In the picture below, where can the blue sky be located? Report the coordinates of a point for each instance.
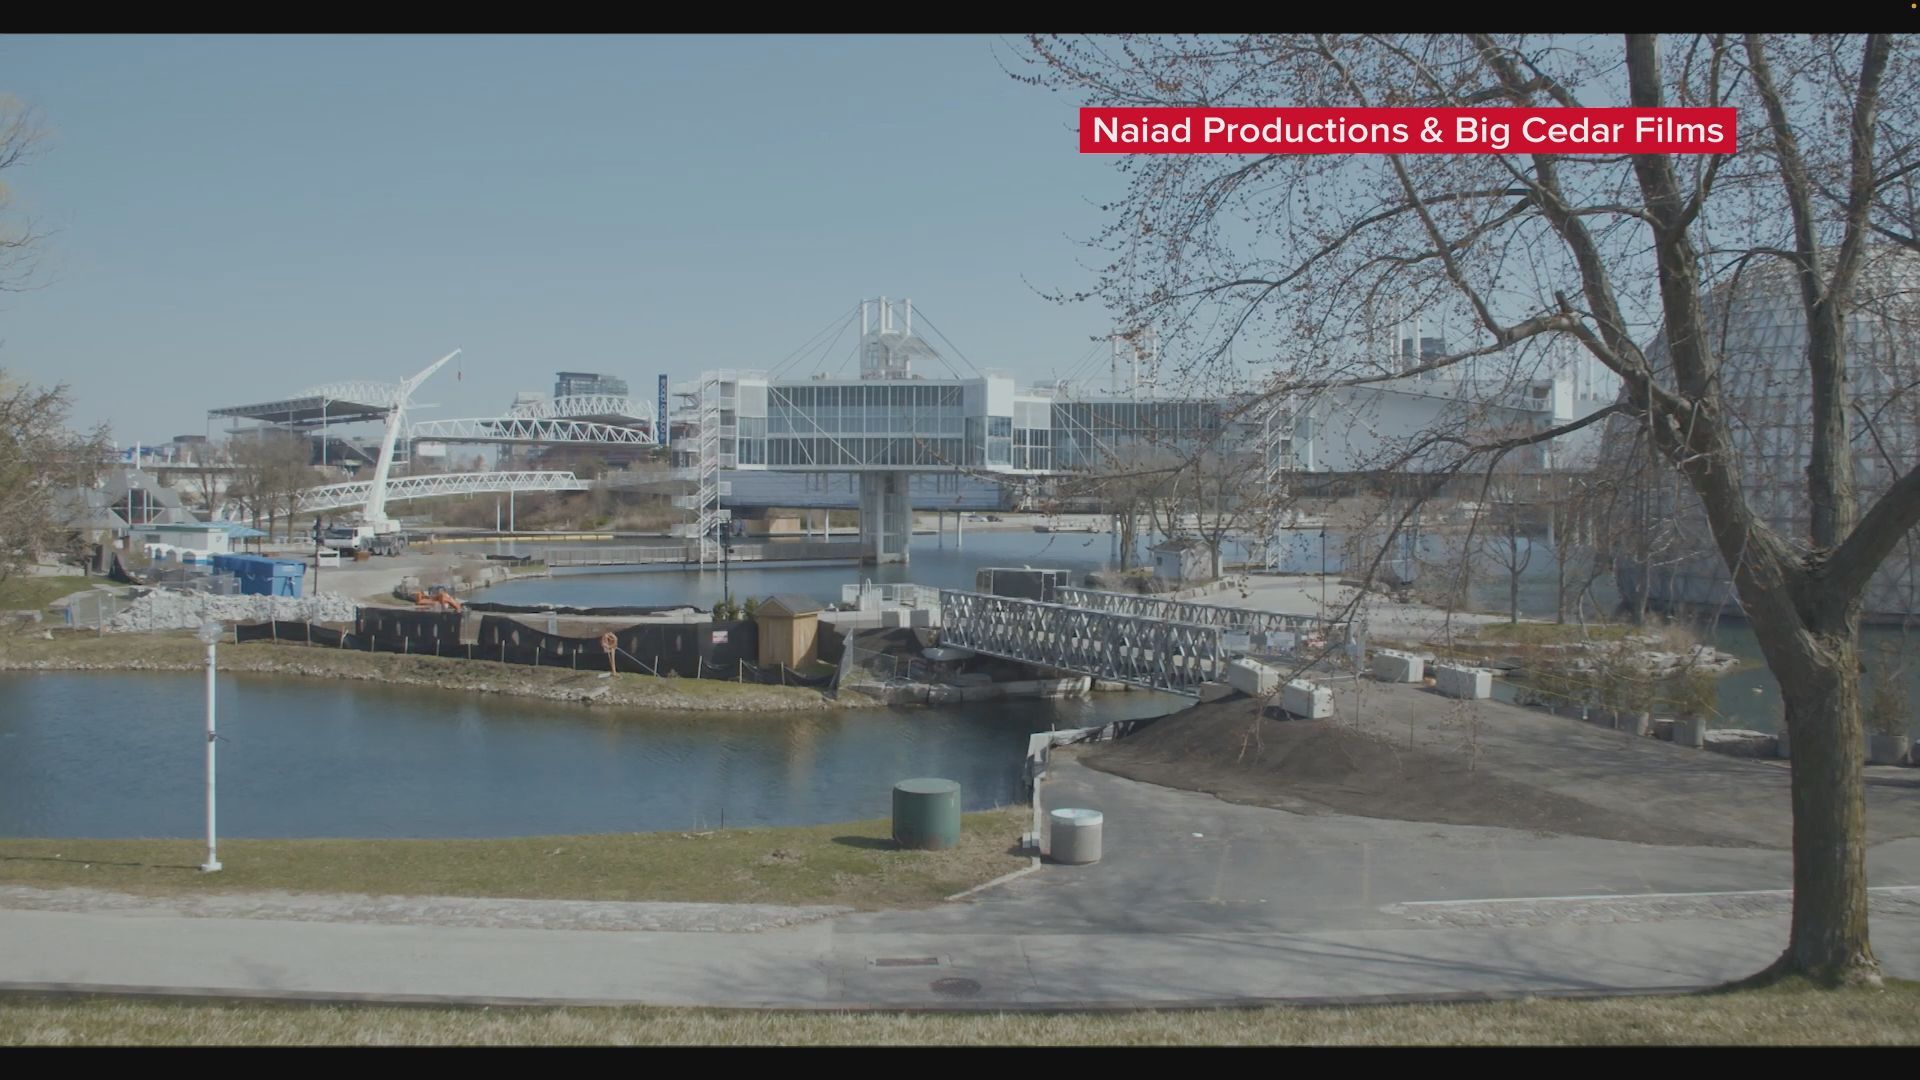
(237, 218)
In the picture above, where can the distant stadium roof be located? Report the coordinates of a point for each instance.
(333, 403)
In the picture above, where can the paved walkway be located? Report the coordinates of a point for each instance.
(1198, 901)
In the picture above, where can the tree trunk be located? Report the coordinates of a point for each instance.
(1513, 597)
(1819, 677)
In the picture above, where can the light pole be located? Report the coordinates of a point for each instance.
(1323, 573)
(210, 636)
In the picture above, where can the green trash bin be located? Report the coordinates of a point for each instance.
(926, 814)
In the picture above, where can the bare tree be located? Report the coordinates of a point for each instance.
(21, 136)
(270, 470)
(42, 465)
(1297, 255)
(1502, 532)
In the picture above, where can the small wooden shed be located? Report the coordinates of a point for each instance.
(789, 630)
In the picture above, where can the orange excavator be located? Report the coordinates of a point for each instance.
(437, 600)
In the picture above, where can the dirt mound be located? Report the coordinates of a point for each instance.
(1230, 750)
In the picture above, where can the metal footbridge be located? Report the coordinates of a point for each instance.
(527, 430)
(1125, 638)
(339, 496)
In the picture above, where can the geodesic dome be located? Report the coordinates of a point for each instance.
(1760, 333)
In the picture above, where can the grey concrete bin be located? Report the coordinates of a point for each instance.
(1076, 836)
(1887, 749)
(1690, 731)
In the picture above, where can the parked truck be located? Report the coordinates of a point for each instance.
(365, 537)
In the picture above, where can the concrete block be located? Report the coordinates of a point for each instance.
(1390, 665)
(1214, 691)
(1306, 700)
(921, 617)
(1253, 678)
(1466, 683)
(891, 618)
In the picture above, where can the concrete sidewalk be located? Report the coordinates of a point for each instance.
(1197, 902)
(823, 967)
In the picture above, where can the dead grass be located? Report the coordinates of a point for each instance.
(849, 864)
(1795, 1015)
(22, 592)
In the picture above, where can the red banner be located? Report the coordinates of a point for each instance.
(1408, 131)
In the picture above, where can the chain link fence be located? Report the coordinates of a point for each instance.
(93, 610)
(859, 664)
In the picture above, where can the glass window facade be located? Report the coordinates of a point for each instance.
(883, 423)
(1086, 433)
(939, 425)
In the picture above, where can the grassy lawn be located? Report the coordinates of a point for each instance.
(23, 593)
(851, 864)
(1782, 1015)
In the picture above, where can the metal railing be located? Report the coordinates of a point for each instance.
(1227, 618)
(871, 596)
(772, 551)
(1150, 652)
(1248, 631)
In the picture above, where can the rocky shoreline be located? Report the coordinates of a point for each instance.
(179, 653)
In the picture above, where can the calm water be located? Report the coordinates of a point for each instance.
(948, 567)
(114, 755)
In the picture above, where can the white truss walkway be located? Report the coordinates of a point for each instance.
(526, 429)
(1186, 611)
(575, 406)
(1149, 652)
(354, 494)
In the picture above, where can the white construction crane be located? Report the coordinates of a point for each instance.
(377, 533)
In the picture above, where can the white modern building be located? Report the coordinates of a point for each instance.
(1763, 354)
(905, 438)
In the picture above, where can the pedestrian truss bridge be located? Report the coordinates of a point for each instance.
(527, 430)
(354, 494)
(1161, 644)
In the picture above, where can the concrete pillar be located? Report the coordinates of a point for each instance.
(886, 517)
(959, 529)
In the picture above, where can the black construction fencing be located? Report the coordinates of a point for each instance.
(281, 630)
(420, 626)
(705, 650)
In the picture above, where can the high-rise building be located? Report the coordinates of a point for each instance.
(575, 383)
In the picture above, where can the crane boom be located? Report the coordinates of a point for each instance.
(376, 511)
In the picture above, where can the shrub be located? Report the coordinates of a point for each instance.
(750, 609)
(1698, 695)
(1887, 707)
(719, 611)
